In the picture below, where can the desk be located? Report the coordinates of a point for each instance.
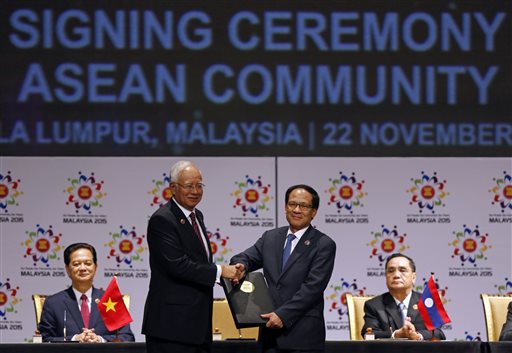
(398, 346)
(137, 347)
(253, 347)
(499, 347)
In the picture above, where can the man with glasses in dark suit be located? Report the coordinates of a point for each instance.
(297, 262)
(179, 305)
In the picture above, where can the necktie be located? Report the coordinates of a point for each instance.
(84, 308)
(403, 312)
(287, 249)
(197, 231)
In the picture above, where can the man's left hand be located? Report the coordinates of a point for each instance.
(274, 321)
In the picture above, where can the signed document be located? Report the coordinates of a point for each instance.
(248, 300)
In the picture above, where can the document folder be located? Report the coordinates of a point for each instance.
(248, 300)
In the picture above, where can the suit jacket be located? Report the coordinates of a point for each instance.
(52, 318)
(381, 314)
(506, 331)
(180, 299)
(298, 289)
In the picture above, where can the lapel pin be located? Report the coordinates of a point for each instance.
(182, 221)
(307, 242)
(415, 306)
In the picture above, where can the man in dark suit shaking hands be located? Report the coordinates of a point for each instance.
(297, 262)
(395, 314)
(178, 310)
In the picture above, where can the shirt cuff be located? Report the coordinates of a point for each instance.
(219, 272)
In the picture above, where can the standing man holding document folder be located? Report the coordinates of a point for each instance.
(297, 262)
(179, 305)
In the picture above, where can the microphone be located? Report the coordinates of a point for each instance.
(390, 327)
(64, 329)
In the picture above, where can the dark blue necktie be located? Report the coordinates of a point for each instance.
(287, 249)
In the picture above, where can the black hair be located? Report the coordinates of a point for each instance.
(316, 198)
(411, 262)
(74, 247)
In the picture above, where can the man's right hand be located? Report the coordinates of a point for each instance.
(233, 272)
(408, 331)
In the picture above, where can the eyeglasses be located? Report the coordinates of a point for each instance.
(302, 206)
(190, 187)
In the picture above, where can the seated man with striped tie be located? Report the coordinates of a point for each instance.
(297, 262)
(395, 314)
(72, 314)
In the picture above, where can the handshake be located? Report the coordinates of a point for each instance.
(233, 272)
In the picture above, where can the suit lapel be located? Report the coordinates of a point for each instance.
(186, 231)
(412, 310)
(94, 308)
(279, 246)
(392, 311)
(72, 311)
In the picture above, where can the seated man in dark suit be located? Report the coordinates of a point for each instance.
(73, 313)
(395, 314)
(506, 331)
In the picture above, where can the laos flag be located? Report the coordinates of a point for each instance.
(431, 307)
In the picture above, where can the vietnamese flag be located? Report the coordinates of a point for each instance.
(431, 307)
(112, 308)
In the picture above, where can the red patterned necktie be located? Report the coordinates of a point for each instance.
(84, 308)
(197, 231)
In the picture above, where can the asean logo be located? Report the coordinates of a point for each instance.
(251, 196)
(8, 299)
(338, 296)
(470, 245)
(161, 192)
(85, 192)
(42, 245)
(9, 191)
(219, 246)
(346, 192)
(126, 246)
(428, 192)
(386, 242)
(502, 192)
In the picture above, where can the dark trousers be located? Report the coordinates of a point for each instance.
(158, 345)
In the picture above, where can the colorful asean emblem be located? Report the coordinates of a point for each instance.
(428, 192)
(346, 192)
(251, 196)
(85, 192)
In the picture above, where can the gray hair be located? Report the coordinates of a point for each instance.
(178, 167)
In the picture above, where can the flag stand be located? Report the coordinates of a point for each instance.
(434, 338)
(117, 339)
